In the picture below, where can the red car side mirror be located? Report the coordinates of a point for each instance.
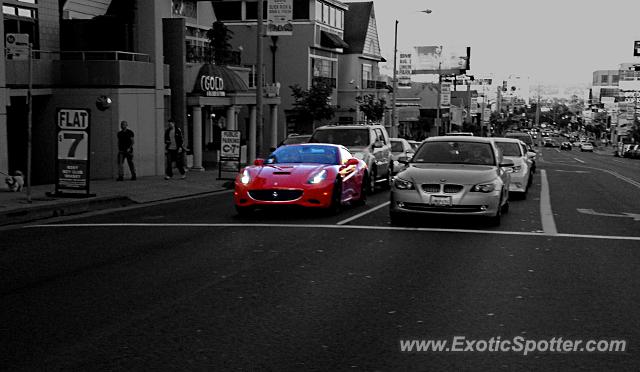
(258, 162)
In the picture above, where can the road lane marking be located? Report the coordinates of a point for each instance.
(635, 216)
(546, 214)
(353, 227)
(343, 222)
(578, 160)
(619, 176)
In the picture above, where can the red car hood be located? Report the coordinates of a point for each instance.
(285, 175)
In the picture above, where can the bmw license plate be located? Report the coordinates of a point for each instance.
(441, 201)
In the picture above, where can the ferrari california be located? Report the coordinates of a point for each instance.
(314, 175)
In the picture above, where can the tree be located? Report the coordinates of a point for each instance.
(219, 47)
(372, 107)
(312, 105)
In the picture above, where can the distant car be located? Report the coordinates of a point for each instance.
(524, 137)
(550, 142)
(293, 139)
(586, 146)
(631, 151)
(401, 150)
(452, 176)
(309, 175)
(414, 144)
(565, 146)
(521, 174)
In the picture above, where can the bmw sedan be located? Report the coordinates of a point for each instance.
(453, 176)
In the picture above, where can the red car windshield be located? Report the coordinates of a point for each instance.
(304, 154)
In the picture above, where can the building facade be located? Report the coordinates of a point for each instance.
(146, 57)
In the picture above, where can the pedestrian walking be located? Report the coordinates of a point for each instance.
(174, 150)
(125, 151)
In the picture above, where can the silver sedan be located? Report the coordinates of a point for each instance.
(453, 176)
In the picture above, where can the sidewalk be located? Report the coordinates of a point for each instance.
(109, 194)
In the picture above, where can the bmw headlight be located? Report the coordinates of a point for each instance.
(516, 168)
(318, 177)
(245, 178)
(402, 184)
(484, 187)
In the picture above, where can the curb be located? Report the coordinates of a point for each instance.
(34, 213)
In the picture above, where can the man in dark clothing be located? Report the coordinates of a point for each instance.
(174, 151)
(125, 151)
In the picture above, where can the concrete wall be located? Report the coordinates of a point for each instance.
(136, 106)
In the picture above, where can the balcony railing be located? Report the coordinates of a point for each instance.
(331, 82)
(375, 84)
(97, 55)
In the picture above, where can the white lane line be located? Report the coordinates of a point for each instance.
(546, 214)
(363, 213)
(576, 159)
(354, 227)
(626, 179)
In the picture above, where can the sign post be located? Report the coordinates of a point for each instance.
(229, 153)
(73, 149)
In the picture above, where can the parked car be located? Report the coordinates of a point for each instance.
(524, 137)
(631, 151)
(586, 146)
(414, 144)
(401, 150)
(565, 146)
(453, 176)
(550, 142)
(635, 154)
(368, 142)
(309, 175)
(521, 174)
(293, 139)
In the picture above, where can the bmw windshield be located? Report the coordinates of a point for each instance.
(453, 152)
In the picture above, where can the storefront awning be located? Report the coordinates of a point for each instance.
(218, 79)
(329, 40)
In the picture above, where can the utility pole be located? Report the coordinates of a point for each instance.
(394, 113)
(258, 76)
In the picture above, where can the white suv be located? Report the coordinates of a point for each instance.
(369, 142)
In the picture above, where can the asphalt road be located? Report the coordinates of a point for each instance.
(190, 286)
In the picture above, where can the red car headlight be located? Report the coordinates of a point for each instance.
(318, 177)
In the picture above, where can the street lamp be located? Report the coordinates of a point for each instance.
(394, 110)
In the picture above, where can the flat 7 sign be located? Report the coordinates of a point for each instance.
(73, 145)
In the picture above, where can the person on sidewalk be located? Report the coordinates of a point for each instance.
(125, 151)
(174, 150)
(15, 183)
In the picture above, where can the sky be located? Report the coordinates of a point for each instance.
(551, 41)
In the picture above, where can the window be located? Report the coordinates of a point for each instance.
(615, 79)
(252, 10)
(604, 79)
(332, 18)
(340, 19)
(318, 11)
(28, 1)
(228, 10)
(380, 136)
(301, 9)
(322, 67)
(11, 10)
(367, 75)
(325, 13)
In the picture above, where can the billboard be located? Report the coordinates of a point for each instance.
(404, 70)
(279, 17)
(440, 59)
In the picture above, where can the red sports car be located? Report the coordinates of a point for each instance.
(310, 175)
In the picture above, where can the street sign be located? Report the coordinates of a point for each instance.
(445, 94)
(636, 48)
(73, 150)
(17, 46)
(230, 146)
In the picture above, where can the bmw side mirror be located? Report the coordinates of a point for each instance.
(507, 163)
